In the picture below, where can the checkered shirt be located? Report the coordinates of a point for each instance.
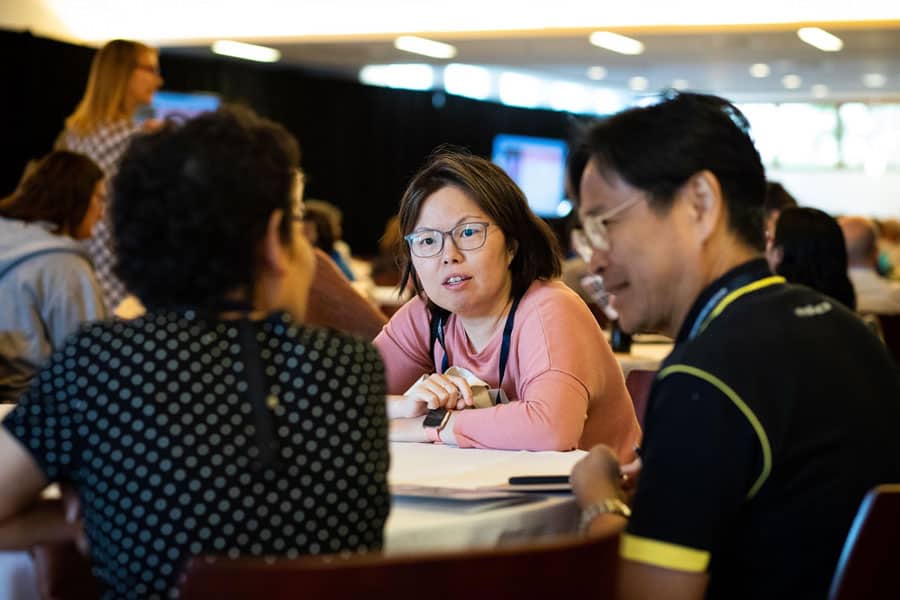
(105, 145)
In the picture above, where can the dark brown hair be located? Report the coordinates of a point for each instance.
(537, 251)
(57, 189)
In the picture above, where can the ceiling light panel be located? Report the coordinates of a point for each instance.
(616, 43)
(821, 39)
(246, 51)
(424, 46)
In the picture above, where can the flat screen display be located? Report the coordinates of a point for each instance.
(538, 166)
(183, 104)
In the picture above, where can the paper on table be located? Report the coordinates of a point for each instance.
(470, 468)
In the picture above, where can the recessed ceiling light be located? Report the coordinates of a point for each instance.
(874, 80)
(597, 73)
(616, 43)
(680, 84)
(425, 47)
(638, 83)
(820, 90)
(821, 39)
(246, 51)
(760, 70)
(791, 82)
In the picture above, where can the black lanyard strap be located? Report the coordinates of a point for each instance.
(437, 334)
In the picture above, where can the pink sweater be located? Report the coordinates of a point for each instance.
(570, 388)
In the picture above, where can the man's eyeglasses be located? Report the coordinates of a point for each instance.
(594, 234)
(426, 243)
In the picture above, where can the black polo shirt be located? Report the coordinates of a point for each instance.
(775, 413)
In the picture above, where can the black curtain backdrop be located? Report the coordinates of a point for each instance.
(360, 144)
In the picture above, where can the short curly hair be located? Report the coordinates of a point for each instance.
(193, 200)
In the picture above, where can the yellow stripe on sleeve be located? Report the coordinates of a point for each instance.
(745, 410)
(663, 554)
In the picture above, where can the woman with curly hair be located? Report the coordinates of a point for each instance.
(218, 422)
(46, 277)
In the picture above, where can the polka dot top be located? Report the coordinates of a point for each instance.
(151, 421)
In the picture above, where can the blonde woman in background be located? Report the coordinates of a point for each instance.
(124, 76)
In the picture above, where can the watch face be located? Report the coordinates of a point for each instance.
(435, 417)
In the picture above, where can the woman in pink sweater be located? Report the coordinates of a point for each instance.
(487, 302)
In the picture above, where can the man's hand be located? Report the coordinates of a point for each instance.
(597, 476)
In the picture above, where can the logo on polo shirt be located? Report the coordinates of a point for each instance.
(813, 310)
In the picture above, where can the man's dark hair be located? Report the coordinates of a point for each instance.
(813, 253)
(192, 202)
(657, 148)
(538, 254)
(56, 189)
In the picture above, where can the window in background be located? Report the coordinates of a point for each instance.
(807, 136)
(764, 128)
(871, 136)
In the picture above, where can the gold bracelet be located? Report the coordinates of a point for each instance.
(612, 506)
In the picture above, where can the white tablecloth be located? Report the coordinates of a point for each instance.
(416, 525)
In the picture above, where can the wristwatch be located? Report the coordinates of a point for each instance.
(434, 422)
(612, 506)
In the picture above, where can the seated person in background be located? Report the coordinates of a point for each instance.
(874, 293)
(889, 243)
(335, 303)
(483, 266)
(47, 281)
(808, 249)
(386, 266)
(318, 229)
(754, 464)
(386, 272)
(217, 423)
(777, 200)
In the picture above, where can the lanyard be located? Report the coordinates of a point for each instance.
(726, 295)
(438, 334)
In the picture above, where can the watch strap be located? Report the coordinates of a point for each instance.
(612, 506)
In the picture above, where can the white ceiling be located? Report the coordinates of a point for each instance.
(709, 46)
(711, 61)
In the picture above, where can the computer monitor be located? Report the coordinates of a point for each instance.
(183, 104)
(538, 166)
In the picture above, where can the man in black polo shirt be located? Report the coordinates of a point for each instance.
(777, 409)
